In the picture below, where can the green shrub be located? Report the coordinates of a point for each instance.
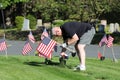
(33, 21)
(22, 35)
(19, 22)
(58, 22)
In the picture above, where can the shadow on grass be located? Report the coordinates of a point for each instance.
(49, 62)
(33, 63)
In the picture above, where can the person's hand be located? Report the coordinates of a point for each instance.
(64, 45)
(64, 55)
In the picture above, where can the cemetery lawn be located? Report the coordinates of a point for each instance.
(33, 68)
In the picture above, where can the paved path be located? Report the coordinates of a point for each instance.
(15, 48)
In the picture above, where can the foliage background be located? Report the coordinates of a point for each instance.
(57, 12)
(50, 10)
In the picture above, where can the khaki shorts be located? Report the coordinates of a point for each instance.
(87, 37)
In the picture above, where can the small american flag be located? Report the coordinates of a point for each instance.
(99, 55)
(27, 48)
(103, 41)
(44, 34)
(3, 45)
(45, 48)
(110, 41)
(31, 37)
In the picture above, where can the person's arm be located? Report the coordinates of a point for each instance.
(70, 41)
(74, 39)
(63, 52)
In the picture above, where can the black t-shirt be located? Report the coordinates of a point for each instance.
(71, 28)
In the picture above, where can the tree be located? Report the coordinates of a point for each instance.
(10, 8)
(98, 7)
(47, 9)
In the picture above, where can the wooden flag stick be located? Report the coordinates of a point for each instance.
(6, 48)
(3, 24)
(71, 50)
(104, 50)
(114, 58)
(6, 53)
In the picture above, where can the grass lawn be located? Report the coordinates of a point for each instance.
(33, 68)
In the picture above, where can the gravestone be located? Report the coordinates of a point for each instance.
(8, 22)
(111, 29)
(104, 22)
(101, 28)
(117, 29)
(26, 24)
(39, 23)
(47, 25)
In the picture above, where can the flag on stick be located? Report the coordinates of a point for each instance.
(27, 48)
(3, 45)
(110, 41)
(44, 34)
(45, 48)
(31, 37)
(103, 41)
(55, 48)
(99, 55)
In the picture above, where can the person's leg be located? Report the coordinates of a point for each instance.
(77, 51)
(82, 54)
(80, 48)
(85, 39)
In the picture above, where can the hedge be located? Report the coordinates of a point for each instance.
(22, 35)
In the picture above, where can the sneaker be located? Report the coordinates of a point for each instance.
(81, 68)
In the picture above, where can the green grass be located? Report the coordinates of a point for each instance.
(33, 68)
